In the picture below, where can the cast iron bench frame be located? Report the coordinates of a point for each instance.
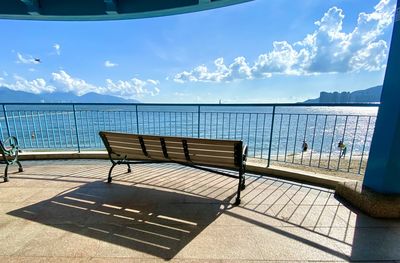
(10, 155)
(124, 148)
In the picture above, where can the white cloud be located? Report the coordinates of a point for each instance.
(61, 81)
(109, 64)
(26, 59)
(35, 86)
(57, 48)
(128, 89)
(327, 50)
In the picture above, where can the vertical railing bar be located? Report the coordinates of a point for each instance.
(95, 124)
(295, 137)
(236, 117)
(365, 142)
(205, 125)
(344, 132)
(137, 119)
(164, 123)
(66, 126)
(352, 145)
(47, 129)
(304, 138)
(279, 137)
(198, 121)
(229, 125)
(271, 134)
(216, 131)
(322, 141)
(333, 138)
(88, 141)
(223, 125)
(159, 122)
(70, 128)
(211, 124)
(249, 130)
(99, 127)
(313, 139)
(81, 119)
(29, 132)
(6, 120)
(181, 119)
(263, 135)
(155, 123)
(22, 128)
(15, 124)
(192, 123)
(76, 128)
(34, 133)
(255, 135)
(170, 124)
(287, 137)
(40, 128)
(175, 122)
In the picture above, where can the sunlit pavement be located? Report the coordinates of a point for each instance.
(64, 211)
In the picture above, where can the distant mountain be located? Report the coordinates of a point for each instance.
(7, 95)
(368, 96)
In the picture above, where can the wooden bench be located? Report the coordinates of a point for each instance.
(133, 148)
(9, 152)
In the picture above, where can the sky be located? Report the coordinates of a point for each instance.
(260, 51)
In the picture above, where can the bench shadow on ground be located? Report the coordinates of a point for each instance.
(152, 221)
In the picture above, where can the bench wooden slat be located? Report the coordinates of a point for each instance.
(173, 145)
(157, 149)
(126, 136)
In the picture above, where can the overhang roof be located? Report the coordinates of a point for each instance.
(79, 10)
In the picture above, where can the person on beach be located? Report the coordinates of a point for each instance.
(343, 149)
(305, 146)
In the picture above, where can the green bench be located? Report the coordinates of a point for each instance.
(9, 152)
(129, 149)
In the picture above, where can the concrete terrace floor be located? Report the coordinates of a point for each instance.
(63, 211)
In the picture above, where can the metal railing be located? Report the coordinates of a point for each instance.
(275, 133)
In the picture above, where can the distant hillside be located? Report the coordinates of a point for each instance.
(368, 95)
(7, 95)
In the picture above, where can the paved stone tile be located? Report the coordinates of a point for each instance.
(373, 244)
(64, 211)
(16, 234)
(291, 243)
(222, 242)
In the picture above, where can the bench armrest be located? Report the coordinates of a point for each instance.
(245, 150)
(9, 153)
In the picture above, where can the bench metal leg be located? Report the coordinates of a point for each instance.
(20, 169)
(6, 173)
(129, 168)
(240, 186)
(243, 184)
(109, 179)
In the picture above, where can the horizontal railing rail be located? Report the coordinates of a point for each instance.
(331, 136)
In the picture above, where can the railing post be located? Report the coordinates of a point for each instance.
(198, 121)
(76, 128)
(137, 120)
(6, 119)
(270, 136)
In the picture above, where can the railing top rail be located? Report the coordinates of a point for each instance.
(208, 104)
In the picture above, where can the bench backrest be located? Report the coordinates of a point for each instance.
(220, 153)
